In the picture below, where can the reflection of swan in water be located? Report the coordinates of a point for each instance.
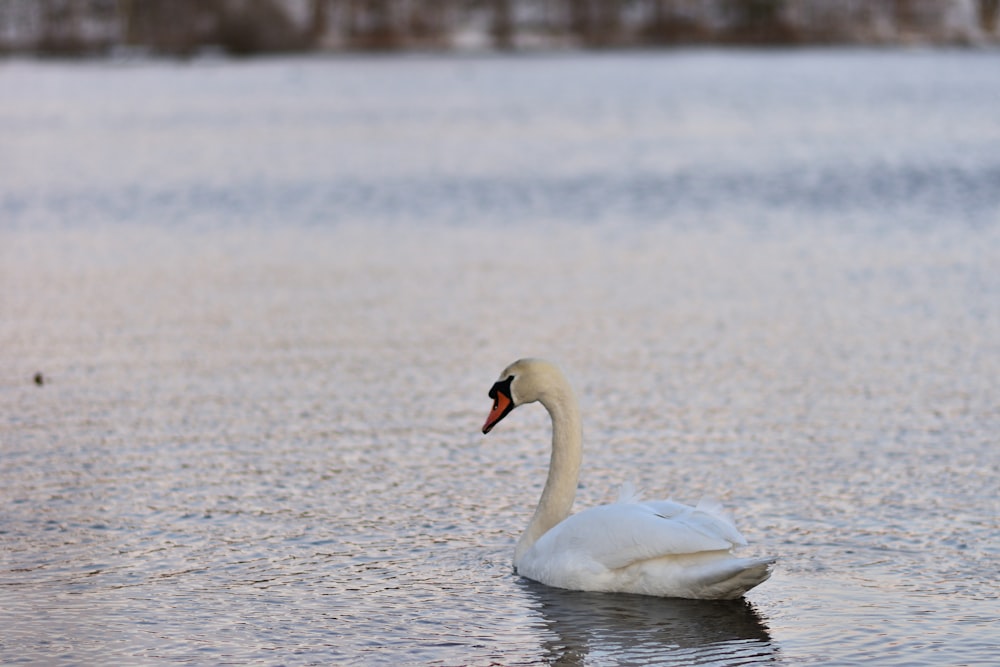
(630, 629)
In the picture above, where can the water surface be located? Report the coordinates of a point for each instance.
(267, 299)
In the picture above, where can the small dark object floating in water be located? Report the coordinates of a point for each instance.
(39, 379)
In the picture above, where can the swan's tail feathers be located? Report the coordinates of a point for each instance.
(740, 575)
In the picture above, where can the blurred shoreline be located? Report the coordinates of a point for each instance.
(183, 28)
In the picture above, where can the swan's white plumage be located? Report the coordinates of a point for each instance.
(659, 547)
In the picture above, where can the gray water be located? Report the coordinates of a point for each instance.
(267, 299)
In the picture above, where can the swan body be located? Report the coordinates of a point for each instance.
(661, 548)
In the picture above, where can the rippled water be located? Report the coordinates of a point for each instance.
(267, 299)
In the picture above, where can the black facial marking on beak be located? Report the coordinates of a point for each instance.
(503, 403)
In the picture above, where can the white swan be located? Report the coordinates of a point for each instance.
(659, 548)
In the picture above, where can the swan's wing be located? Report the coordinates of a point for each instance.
(621, 534)
(707, 515)
(627, 493)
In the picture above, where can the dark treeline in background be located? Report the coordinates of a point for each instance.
(243, 27)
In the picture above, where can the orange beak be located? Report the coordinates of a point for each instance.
(501, 406)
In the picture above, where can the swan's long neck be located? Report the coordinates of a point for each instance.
(564, 469)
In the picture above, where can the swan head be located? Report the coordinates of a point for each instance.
(524, 381)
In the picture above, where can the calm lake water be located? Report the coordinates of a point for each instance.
(267, 300)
